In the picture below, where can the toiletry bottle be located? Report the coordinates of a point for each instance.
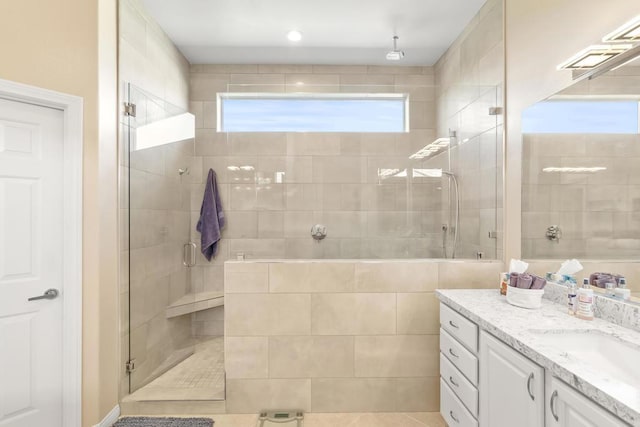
(585, 301)
(622, 292)
(572, 299)
(610, 289)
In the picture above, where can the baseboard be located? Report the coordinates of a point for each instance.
(110, 418)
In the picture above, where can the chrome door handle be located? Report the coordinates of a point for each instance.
(552, 405)
(189, 254)
(48, 294)
(529, 386)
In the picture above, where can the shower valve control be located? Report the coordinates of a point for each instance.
(319, 232)
(553, 233)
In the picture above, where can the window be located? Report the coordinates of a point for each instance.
(241, 112)
(578, 116)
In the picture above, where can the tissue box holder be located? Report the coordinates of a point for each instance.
(525, 298)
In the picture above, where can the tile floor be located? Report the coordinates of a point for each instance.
(413, 419)
(199, 377)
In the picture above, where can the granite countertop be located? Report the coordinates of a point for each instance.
(521, 329)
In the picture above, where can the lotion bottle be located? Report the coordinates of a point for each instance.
(622, 292)
(572, 302)
(585, 301)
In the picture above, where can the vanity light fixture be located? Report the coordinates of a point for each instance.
(593, 56)
(430, 149)
(629, 32)
(575, 170)
(294, 35)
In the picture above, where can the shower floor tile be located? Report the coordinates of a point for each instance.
(199, 377)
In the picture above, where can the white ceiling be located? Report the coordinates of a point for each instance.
(334, 31)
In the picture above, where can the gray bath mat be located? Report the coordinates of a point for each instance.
(163, 422)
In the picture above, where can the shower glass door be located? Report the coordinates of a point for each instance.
(160, 155)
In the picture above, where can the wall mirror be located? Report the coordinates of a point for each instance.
(581, 174)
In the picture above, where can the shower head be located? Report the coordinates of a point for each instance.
(395, 54)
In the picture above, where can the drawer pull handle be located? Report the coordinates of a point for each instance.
(453, 382)
(453, 324)
(552, 405)
(529, 386)
(454, 417)
(453, 354)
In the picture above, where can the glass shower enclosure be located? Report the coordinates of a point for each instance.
(159, 154)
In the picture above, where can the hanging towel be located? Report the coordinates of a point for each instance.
(211, 219)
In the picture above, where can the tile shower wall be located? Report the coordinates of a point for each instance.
(149, 60)
(469, 79)
(598, 213)
(338, 336)
(329, 178)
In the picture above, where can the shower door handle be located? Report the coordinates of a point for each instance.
(189, 254)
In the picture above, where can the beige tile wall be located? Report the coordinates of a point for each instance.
(330, 178)
(338, 336)
(159, 203)
(469, 80)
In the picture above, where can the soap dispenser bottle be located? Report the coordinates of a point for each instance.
(622, 292)
(585, 301)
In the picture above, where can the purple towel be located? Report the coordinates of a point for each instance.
(538, 282)
(211, 219)
(524, 281)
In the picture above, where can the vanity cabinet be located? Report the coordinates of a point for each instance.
(511, 386)
(486, 383)
(567, 407)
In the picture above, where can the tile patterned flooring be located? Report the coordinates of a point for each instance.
(413, 419)
(199, 377)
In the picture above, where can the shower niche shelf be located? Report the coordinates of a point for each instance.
(190, 303)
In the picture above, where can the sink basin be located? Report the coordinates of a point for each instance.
(614, 358)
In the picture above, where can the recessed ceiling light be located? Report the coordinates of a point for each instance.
(593, 56)
(628, 32)
(294, 35)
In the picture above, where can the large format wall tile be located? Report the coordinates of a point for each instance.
(396, 356)
(353, 314)
(246, 357)
(418, 314)
(267, 314)
(396, 277)
(311, 277)
(353, 395)
(253, 396)
(311, 357)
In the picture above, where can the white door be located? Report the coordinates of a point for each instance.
(31, 257)
(511, 386)
(569, 408)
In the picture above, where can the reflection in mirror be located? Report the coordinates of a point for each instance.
(581, 151)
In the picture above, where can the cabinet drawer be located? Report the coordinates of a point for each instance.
(461, 328)
(461, 386)
(463, 359)
(452, 410)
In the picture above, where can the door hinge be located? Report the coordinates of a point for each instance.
(129, 109)
(495, 111)
(130, 366)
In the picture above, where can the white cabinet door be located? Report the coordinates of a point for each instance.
(511, 386)
(569, 408)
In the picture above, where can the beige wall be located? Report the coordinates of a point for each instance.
(54, 45)
(338, 336)
(539, 36)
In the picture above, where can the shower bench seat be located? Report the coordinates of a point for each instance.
(190, 303)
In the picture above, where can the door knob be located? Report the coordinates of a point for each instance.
(48, 294)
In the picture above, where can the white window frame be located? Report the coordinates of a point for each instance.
(320, 96)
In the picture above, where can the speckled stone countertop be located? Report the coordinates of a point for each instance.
(521, 329)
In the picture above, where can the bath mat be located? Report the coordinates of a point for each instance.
(163, 422)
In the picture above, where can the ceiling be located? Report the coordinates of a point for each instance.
(334, 31)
